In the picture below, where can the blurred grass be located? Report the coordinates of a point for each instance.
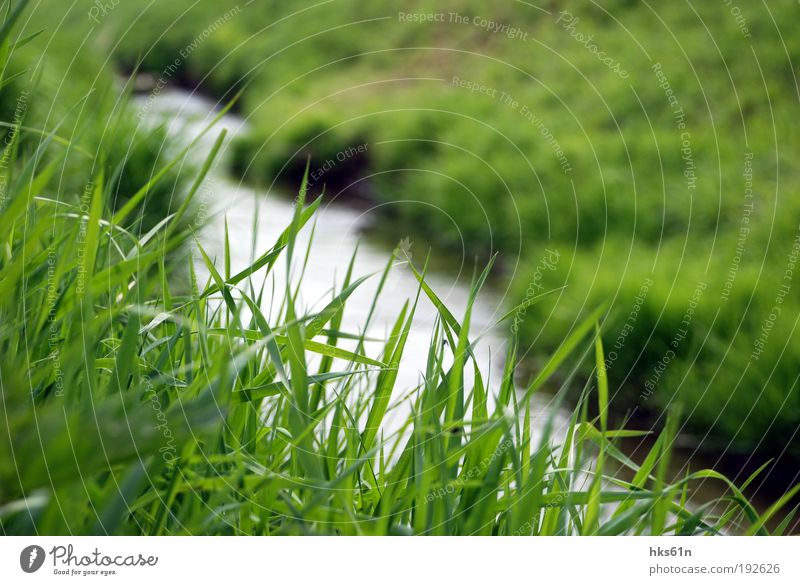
(471, 175)
(622, 216)
(129, 409)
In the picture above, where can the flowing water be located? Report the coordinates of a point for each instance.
(255, 220)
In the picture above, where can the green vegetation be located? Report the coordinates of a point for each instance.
(472, 172)
(137, 400)
(129, 409)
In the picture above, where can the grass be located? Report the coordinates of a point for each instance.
(129, 409)
(135, 405)
(473, 175)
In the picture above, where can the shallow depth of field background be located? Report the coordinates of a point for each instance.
(639, 154)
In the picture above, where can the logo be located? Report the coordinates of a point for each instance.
(31, 558)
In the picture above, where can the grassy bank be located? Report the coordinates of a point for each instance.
(142, 406)
(130, 408)
(674, 165)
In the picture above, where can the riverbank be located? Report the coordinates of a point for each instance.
(341, 227)
(469, 173)
(669, 179)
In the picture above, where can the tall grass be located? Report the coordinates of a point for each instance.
(133, 407)
(322, 77)
(129, 409)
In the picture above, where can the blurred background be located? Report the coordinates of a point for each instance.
(636, 154)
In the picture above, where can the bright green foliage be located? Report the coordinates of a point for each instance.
(131, 405)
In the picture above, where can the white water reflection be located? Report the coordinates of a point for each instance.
(260, 217)
(255, 221)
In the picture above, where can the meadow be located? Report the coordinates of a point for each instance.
(675, 164)
(649, 194)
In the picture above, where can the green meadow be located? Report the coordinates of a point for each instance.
(622, 175)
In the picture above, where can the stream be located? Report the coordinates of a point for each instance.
(255, 220)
